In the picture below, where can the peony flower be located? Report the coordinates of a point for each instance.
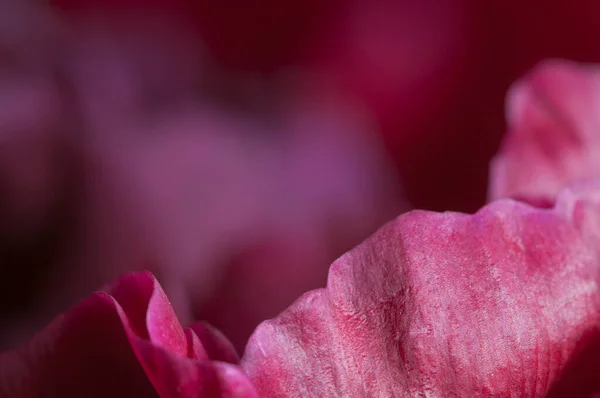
(504, 302)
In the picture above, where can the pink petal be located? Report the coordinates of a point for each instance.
(217, 346)
(149, 312)
(491, 304)
(83, 353)
(178, 377)
(96, 350)
(163, 348)
(554, 133)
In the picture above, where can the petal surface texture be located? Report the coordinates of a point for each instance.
(435, 305)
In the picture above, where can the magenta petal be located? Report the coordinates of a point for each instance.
(127, 344)
(216, 344)
(163, 347)
(195, 348)
(554, 133)
(147, 307)
(83, 353)
(177, 377)
(491, 304)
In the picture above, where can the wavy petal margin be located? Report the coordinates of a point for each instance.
(493, 304)
(553, 133)
(124, 342)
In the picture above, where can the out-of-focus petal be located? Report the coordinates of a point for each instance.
(187, 185)
(116, 344)
(124, 66)
(37, 177)
(401, 58)
(31, 145)
(409, 63)
(491, 304)
(553, 133)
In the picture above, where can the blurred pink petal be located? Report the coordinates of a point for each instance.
(192, 186)
(128, 65)
(554, 132)
(32, 136)
(491, 304)
(37, 177)
(408, 63)
(190, 195)
(96, 349)
(400, 58)
(202, 195)
(434, 72)
(34, 154)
